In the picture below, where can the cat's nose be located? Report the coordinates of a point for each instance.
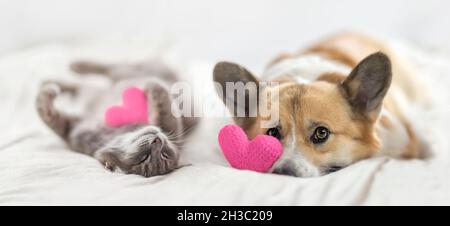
(157, 140)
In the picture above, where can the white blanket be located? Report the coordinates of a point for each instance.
(36, 168)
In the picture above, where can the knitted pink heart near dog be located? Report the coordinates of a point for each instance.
(133, 111)
(257, 155)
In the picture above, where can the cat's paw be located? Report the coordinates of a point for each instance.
(50, 90)
(87, 67)
(45, 99)
(109, 166)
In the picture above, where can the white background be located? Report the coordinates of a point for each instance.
(249, 31)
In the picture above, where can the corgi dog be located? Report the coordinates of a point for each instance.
(341, 100)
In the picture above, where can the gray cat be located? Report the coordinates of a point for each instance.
(146, 150)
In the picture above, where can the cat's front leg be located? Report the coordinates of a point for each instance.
(160, 108)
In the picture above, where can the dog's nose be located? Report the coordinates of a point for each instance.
(286, 169)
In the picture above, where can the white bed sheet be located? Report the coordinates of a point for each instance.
(37, 169)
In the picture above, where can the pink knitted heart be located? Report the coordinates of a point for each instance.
(133, 111)
(257, 155)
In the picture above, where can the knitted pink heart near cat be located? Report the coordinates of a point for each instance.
(257, 155)
(133, 111)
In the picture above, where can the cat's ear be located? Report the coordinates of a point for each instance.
(241, 103)
(367, 85)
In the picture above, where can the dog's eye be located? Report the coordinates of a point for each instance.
(320, 135)
(274, 132)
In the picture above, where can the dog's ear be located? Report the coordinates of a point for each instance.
(367, 85)
(229, 80)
